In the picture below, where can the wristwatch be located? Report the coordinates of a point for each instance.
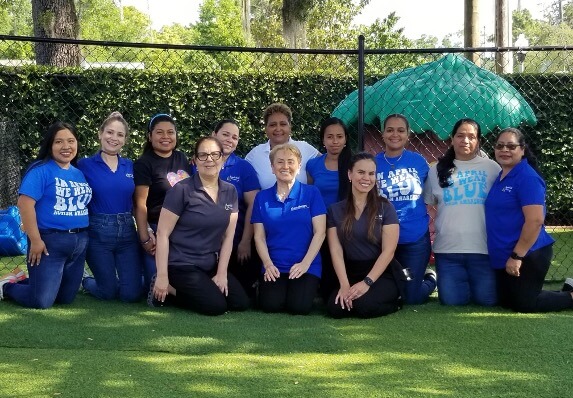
(368, 281)
(515, 256)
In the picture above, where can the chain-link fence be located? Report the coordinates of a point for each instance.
(201, 85)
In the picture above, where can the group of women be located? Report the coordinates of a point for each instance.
(215, 235)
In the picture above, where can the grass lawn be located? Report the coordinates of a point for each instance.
(108, 349)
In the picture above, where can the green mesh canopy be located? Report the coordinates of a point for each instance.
(435, 95)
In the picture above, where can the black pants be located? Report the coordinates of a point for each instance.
(525, 293)
(294, 296)
(328, 280)
(381, 299)
(247, 273)
(197, 291)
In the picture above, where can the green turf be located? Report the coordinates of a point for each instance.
(108, 349)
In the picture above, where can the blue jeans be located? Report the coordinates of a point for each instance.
(465, 278)
(58, 276)
(114, 258)
(416, 256)
(149, 268)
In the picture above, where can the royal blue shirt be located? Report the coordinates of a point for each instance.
(325, 180)
(61, 195)
(288, 224)
(400, 180)
(243, 176)
(504, 218)
(112, 191)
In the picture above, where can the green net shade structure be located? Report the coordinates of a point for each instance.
(435, 95)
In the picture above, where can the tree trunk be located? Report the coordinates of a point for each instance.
(56, 19)
(10, 166)
(294, 14)
(246, 18)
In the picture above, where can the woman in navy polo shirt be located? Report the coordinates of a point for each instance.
(520, 250)
(244, 178)
(363, 235)
(290, 221)
(195, 240)
(159, 168)
(113, 253)
(53, 201)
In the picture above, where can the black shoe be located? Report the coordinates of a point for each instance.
(568, 285)
(151, 300)
(431, 275)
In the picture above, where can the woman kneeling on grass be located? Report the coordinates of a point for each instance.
(53, 201)
(195, 239)
(362, 235)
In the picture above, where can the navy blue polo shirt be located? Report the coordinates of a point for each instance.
(504, 218)
(288, 224)
(202, 222)
(112, 191)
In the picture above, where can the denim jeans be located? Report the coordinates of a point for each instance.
(58, 276)
(465, 278)
(149, 268)
(114, 258)
(416, 256)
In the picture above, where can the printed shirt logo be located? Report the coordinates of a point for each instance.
(72, 198)
(400, 184)
(129, 175)
(233, 178)
(507, 189)
(174, 178)
(228, 206)
(299, 207)
(469, 188)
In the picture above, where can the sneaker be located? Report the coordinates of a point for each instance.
(9, 278)
(86, 274)
(151, 300)
(431, 275)
(568, 285)
(19, 274)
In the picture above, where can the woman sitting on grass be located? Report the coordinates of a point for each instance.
(53, 201)
(195, 239)
(362, 236)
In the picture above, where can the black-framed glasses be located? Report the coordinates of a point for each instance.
(510, 147)
(202, 156)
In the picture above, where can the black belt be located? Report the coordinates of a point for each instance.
(64, 231)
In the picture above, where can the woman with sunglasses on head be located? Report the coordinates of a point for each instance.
(53, 201)
(195, 239)
(520, 249)
(458, 185)
(113, 253)
(400, 175)
(159, 168)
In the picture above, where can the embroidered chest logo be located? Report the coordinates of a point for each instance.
(299, 207)
(228, 206)
(507, 189)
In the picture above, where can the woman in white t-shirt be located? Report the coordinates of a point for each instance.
(458, 185)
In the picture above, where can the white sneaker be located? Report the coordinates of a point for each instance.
(10, 278)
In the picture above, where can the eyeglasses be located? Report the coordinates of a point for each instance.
(510, 147)
(202, 156)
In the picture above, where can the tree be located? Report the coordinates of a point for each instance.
(16, 19)
(294, 15)
(218, 24)
(56, 19)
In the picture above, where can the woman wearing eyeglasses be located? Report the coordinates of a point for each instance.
(159, 168)
(458, 185)
(195, 240)
(520, 249)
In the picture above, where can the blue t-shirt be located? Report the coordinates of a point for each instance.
(504, 218)
(288, 224)
(112, 191)
(61, 195)
(402, 185)
(325, 180)
(243, 176)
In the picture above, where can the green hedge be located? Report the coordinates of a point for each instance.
(34, 97)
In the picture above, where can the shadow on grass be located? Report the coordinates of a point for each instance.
(94, 348)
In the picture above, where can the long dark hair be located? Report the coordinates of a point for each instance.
(160, 117)
(223, 122)
(445, 166)
(343, 157)
(373, 203)
(527, 153)
(45, 152)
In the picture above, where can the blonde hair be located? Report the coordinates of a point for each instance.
(287, 148)
(114, 117)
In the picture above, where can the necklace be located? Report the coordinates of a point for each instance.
(393, 165)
